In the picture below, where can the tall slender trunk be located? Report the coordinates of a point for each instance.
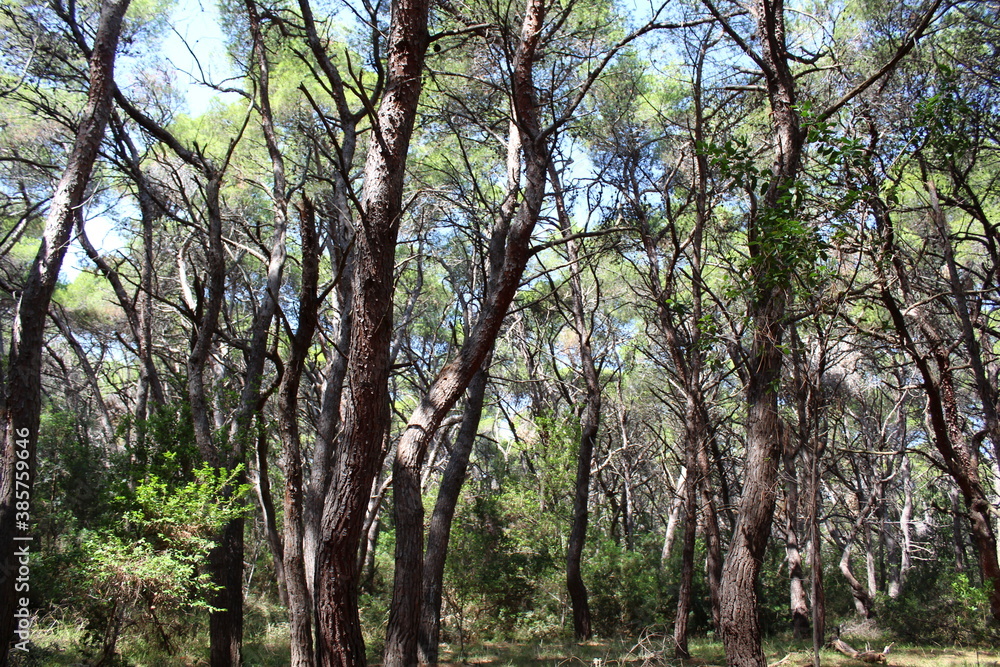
(863, 597)
(452, 381)
(22, 395)
(987, 391)
(942, 412)
(713, 536)
(793, 444)
(770, 277)
(674, 519)
(439, 530)
(692, 442)
(817, 592)
(226, 624)
(299, 600)
(341, 235)
(797, 590)
(589, 425)
(262, 485)
(356, 463)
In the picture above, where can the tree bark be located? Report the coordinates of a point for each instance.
(817, 592)
(770, 278)
(942, 411)
(22, 394)
(299, 600)
(713, 537)
(439, 530)
(226, 564)
(674, 519)
(684, 592)
(227, 623)
(793, 444)
(797, 591)
(354, 467)
(454, 378)
(589, 425)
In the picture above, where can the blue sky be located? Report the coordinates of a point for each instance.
(196, 23)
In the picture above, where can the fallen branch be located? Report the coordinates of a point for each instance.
(780, 662)
(864, 656)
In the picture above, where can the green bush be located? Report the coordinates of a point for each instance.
(939, 605)
(148, 575)
(491, 582)
(629, 591)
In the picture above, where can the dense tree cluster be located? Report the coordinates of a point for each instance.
(454, 320)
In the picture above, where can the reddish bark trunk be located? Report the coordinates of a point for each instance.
(454, 378)
(687, 550)
(22, 395)
(358, 460)
(439, 531)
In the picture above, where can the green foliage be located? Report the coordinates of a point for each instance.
(164, 446)
(153, 569)
(492, 581)
(629, 591)
(940, 605)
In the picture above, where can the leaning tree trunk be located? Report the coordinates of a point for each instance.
(454, 378)
(942, 411)
(355, 464)
(439, 530)
(22, 395)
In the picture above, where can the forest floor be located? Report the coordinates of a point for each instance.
(59, 645)
(704, 654)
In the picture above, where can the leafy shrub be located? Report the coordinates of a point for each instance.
(629, 591)
(149, 574)
(490, 581)
(939, 605)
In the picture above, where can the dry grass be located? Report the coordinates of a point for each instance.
(651, 652)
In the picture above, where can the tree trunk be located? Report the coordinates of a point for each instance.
(226, 565)
(22, 395)
(797, 590)
(740, 623)
(454, 378)
(817, 592)
(942, 411)
(863, 599)
(227, 624)
(299, 600)
(770, 275)
(589, 426)
(713, 537)
(902, 568)
(439, 531)
(674, 520)
(989, 394)
(358, 460)
(684, 592)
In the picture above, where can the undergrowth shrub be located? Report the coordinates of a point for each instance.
(942, 606)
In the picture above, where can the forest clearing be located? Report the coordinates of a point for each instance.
(416, 332)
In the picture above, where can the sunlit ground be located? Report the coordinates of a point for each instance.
(266, 645)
